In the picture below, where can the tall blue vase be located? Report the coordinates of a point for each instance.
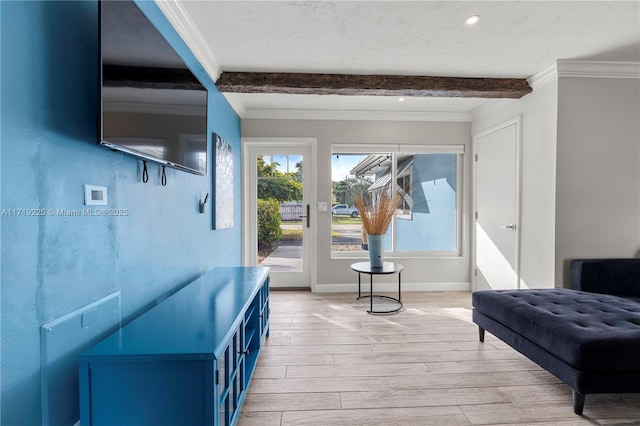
(376, 250)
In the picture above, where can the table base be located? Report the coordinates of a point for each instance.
(372, 296)
(397, 306)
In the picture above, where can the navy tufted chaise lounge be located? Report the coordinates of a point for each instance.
(587, 336)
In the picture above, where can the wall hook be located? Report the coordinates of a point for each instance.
(203, 204)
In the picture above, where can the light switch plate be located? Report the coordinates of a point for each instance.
(322, 206)
(95, 195)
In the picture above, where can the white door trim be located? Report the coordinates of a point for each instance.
(517, 120)
(251, 143)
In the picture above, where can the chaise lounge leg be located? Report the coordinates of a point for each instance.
(578, 402)
(481, 333)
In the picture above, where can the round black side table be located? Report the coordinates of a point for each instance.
(387, 268)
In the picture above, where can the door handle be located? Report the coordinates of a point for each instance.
(308, 215)
(510, 227)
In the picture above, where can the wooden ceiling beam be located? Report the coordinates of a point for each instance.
(372, 85)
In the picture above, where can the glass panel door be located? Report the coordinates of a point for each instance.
(279, 212)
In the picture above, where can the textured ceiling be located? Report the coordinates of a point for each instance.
(512, 39)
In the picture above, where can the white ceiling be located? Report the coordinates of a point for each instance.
(513, 39)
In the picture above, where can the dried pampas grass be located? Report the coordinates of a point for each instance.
(377, 217)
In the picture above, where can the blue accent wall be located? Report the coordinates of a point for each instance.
(54, 264)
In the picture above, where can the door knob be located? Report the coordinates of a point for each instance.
(511, 227)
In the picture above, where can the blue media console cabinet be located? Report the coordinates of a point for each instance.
(186, 361)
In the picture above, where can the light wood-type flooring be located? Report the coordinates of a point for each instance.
(327, 362)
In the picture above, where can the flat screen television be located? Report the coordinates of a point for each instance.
(152, 105)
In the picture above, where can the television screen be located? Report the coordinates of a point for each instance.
(153, 106)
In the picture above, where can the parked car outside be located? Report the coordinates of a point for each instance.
(344, 209)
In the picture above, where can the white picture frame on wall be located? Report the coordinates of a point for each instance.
(222, 183)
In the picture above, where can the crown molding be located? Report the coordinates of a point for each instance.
(584, 69)
(598, 69)
(311, 114)
(543, 77)
(186, 28)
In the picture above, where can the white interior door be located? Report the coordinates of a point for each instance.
(281, 171)
(496, 218)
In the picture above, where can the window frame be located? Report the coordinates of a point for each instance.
(407, 175)
(395, 150)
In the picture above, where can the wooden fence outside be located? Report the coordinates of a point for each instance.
(290, 212)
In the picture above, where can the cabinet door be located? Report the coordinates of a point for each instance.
(264, 309)
(231, 375)
(238, 383)
(223, 385)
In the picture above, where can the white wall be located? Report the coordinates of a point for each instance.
(539, 111)
(598, 170)
(580, 178)
(335, 274)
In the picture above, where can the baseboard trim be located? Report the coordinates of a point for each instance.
(391, 287)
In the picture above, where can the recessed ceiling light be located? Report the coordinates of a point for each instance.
(400, 99)
(472, 19)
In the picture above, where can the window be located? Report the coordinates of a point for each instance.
(427, 177)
